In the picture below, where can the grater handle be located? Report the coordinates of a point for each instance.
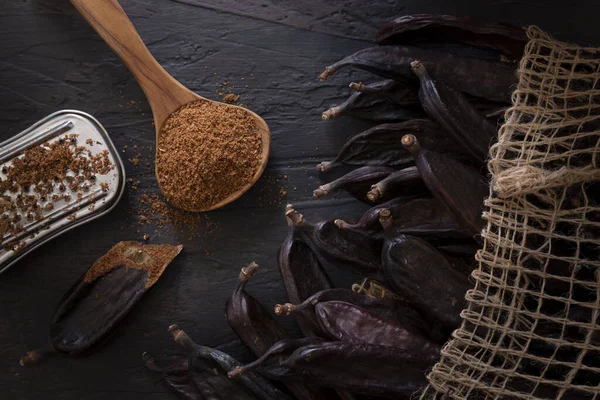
(164, 93)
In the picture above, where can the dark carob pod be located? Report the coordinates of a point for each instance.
(459, 187)
(347, 322)
(356, 183)
(506, 39)
(397, 92)
(255, 326)
(255, 383)
(373, 107)
(92, 308)
(300, 268)
(451, 109)
(344, 248)
(382, 145)
(484, 79)
(176, 377)
(405, 182)
(393, 310)
(423, 217)
(358, 368)
(257, 329)
(421, 274)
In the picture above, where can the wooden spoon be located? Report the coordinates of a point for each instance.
(164, 93)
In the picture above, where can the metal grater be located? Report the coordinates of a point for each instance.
(100, 199)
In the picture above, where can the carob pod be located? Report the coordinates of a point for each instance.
(253, 382)
(344, 248)
(358, 368)
(300, 268)
(92, 308)
(356, 183)
(424, 217)
(420, 274)
(507, 39)
(382, 145)
(405, 182)
(375, 107)
(393, 310)
(398, 92)
(489, 80)
(255, 326)
(459, 187)
(451, 109)
(347, 322)
(176, 377)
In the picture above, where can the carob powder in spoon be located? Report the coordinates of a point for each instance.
(206, 151)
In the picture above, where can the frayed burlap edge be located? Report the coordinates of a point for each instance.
(547, 155)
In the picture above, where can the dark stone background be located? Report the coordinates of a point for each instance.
(50, 59)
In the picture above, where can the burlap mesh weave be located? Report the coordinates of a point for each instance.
(531, 327)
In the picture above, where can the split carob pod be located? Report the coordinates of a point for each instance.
(346, 249)
(347, 322)
(253, 382)
(176, 377)
(92, 308)
(483, 79)
(506, 39)
(379, 106)
(407, 181)
(382, 145)
(253, 324)
(459, 187)
(393, 310)
(451, 109)
(355, 367)
(421, 274)
(258, 330)
(356, 183)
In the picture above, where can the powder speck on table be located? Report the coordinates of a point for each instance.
(206, 151)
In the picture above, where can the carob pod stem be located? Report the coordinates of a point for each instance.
(358, 368)
(347, 322)
(490, 80)
(356, 182)
(451, 109)
(176, 377)
(344, 248)
(255, 383)
(507, 39)
(459, 187)
(382, 145)
(419, 273)
(404, 182)
(92, 308)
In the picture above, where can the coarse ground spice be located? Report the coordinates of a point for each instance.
(206, 152)
(44, 176)
(153, 258)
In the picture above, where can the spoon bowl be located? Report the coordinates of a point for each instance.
(164, 93)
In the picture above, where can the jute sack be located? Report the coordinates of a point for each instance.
(531, 328)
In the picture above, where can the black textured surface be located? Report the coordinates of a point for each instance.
(50, 59)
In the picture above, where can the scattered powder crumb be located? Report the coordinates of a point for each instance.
(231, 98)
(146, 236)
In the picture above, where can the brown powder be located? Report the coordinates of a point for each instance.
(231, 98)
(206, 152)
(39, 178)
(153, 258)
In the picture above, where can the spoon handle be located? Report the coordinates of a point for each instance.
(164, 93)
